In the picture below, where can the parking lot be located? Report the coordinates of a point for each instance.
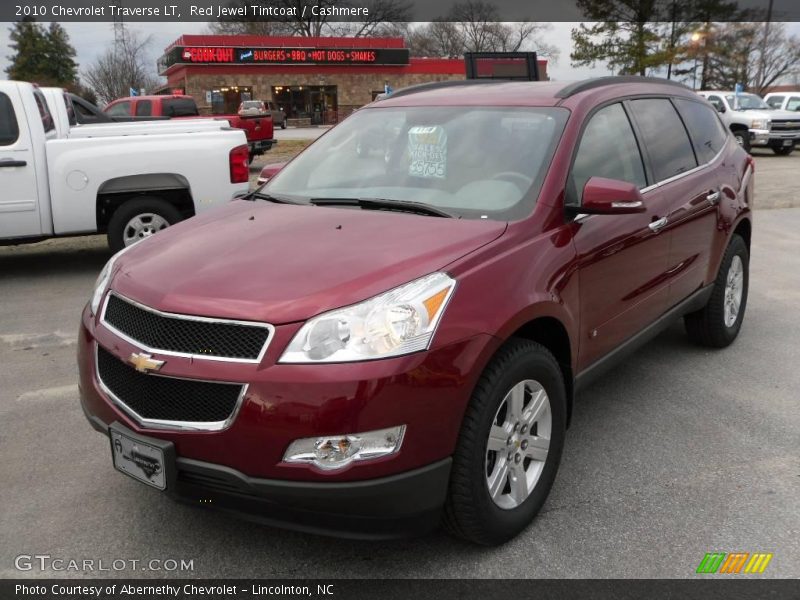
(679, 452)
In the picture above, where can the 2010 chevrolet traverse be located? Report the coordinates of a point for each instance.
(381, 339)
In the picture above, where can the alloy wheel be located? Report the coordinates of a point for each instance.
(518, 444)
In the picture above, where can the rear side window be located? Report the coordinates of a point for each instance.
(178, 107)
(707, 133)
(144, 108)
(71, 118)
(9, 130)
(665, 137)
(44, 112)
(607, 149)
(775, 101)
(120, 109)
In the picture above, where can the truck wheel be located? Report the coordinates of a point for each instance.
(742, 138)
(140, 218)
(717, 324)
(783, 150)
(509, 446)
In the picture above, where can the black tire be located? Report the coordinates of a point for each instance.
(470, 513)
(742, 138)
(783, 150)
(137, 206)
(707, 327)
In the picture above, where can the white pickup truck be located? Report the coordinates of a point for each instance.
(754, 123)
(129, 180)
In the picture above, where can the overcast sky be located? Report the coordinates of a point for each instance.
(90, 39)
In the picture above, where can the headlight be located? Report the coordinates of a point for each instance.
(760, 124)
(401, 321)
(103, 280)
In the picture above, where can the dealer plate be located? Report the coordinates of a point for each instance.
(138, 459)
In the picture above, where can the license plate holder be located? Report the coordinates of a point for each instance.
(145, 459)
(788, 142)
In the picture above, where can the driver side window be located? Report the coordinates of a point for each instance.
(607, 149)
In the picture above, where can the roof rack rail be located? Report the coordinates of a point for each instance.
(435, 85)
(590, 84)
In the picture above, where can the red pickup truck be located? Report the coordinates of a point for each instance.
(258, 129)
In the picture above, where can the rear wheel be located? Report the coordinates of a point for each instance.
(742, 138)
(509, 446)
(718, 323)
(138, 219)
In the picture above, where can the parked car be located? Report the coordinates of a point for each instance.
(257, 128)
(278, 116)
(370, 348)
(754, 123)
(252, 108)
(128, 180)
(269, 171)
(784, 101)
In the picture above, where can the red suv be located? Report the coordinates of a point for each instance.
(380, 341)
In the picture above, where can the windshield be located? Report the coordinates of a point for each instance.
(251, 104)
(471, 162)
(747, 102)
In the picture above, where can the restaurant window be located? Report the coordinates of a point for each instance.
(319, 103)
(225, 100)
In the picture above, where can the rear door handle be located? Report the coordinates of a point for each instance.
(659, 224)
(713, 196)
(12, 163)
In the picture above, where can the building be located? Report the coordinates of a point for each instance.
(313, 79)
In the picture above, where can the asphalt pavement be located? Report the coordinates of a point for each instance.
(678, 452)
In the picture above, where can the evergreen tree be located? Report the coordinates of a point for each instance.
(28, 40)
(41, 55)
(62, 68)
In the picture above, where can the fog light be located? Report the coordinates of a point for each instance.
(336, 451)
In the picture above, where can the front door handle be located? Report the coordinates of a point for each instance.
(659, 224)
(12, 163)
(713, 196)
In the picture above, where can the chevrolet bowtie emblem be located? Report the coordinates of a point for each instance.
(144, 362)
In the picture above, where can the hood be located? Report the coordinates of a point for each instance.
(280, 263)
(784, 115)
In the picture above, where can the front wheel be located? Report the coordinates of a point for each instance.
(718, 323)
(138, 219)
(742, 138)
(783, 150)
(509, 446)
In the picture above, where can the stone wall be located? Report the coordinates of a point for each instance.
(353, 89)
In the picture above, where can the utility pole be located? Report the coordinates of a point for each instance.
(762, 63)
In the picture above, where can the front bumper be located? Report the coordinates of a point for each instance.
(759, 137)
(240, 468)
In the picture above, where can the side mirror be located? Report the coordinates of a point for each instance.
(720, 108)
(603, 196)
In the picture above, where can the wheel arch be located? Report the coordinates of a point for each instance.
(551, 333)
(744, 228)
(171, 187)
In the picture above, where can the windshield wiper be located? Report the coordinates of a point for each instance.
(383, 204)
(268, 197)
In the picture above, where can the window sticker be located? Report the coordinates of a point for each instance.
(427, 147)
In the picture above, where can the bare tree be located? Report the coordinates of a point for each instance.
(123, 66)
(380, 13)
(474, 26)
(742, 53)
